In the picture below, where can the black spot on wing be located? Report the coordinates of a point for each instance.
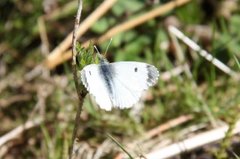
(135, 69)
(152, 75)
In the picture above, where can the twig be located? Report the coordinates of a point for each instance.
(17, 98)
(201, 52)
(193, 142)
(57, 57)
(15, 133)
(80, 93)
(43, 36)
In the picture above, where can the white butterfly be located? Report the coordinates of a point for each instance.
(118, 84)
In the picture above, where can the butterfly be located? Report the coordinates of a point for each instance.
(118, 84)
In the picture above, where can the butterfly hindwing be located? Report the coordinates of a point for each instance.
(124, 97)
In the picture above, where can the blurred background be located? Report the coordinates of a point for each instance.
(38, 99)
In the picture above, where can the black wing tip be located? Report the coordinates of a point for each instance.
(153, 75)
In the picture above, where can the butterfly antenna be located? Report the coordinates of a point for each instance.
(108, 46)
(99, 55)
(95, 47)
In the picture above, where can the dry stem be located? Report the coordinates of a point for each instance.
(80, 93)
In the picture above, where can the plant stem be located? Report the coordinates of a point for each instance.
(80, 92)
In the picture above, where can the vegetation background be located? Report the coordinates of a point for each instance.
(45, 97)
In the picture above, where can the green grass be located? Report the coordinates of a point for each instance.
(167, 100)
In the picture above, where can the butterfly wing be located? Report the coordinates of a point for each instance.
(130, 79)
(118, 84)
(94, 83)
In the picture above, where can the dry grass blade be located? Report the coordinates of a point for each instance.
(166, 126)
(120, 145)
(162, 9)
(60, 12)
(201, 52)
(181, 59)
(57, 57)
(157, 131)
(193, 142)
(170, 124)
(237, 62)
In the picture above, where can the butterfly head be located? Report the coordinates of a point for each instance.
(101, 58)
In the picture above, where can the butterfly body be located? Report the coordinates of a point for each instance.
(107, 73)
(118, 84)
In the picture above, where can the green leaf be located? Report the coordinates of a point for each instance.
(126, 6)
(120, 145)
(85, 56)
(101, 25)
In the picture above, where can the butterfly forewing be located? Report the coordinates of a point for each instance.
(93, 82)
(136, 75)
(129, 81)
